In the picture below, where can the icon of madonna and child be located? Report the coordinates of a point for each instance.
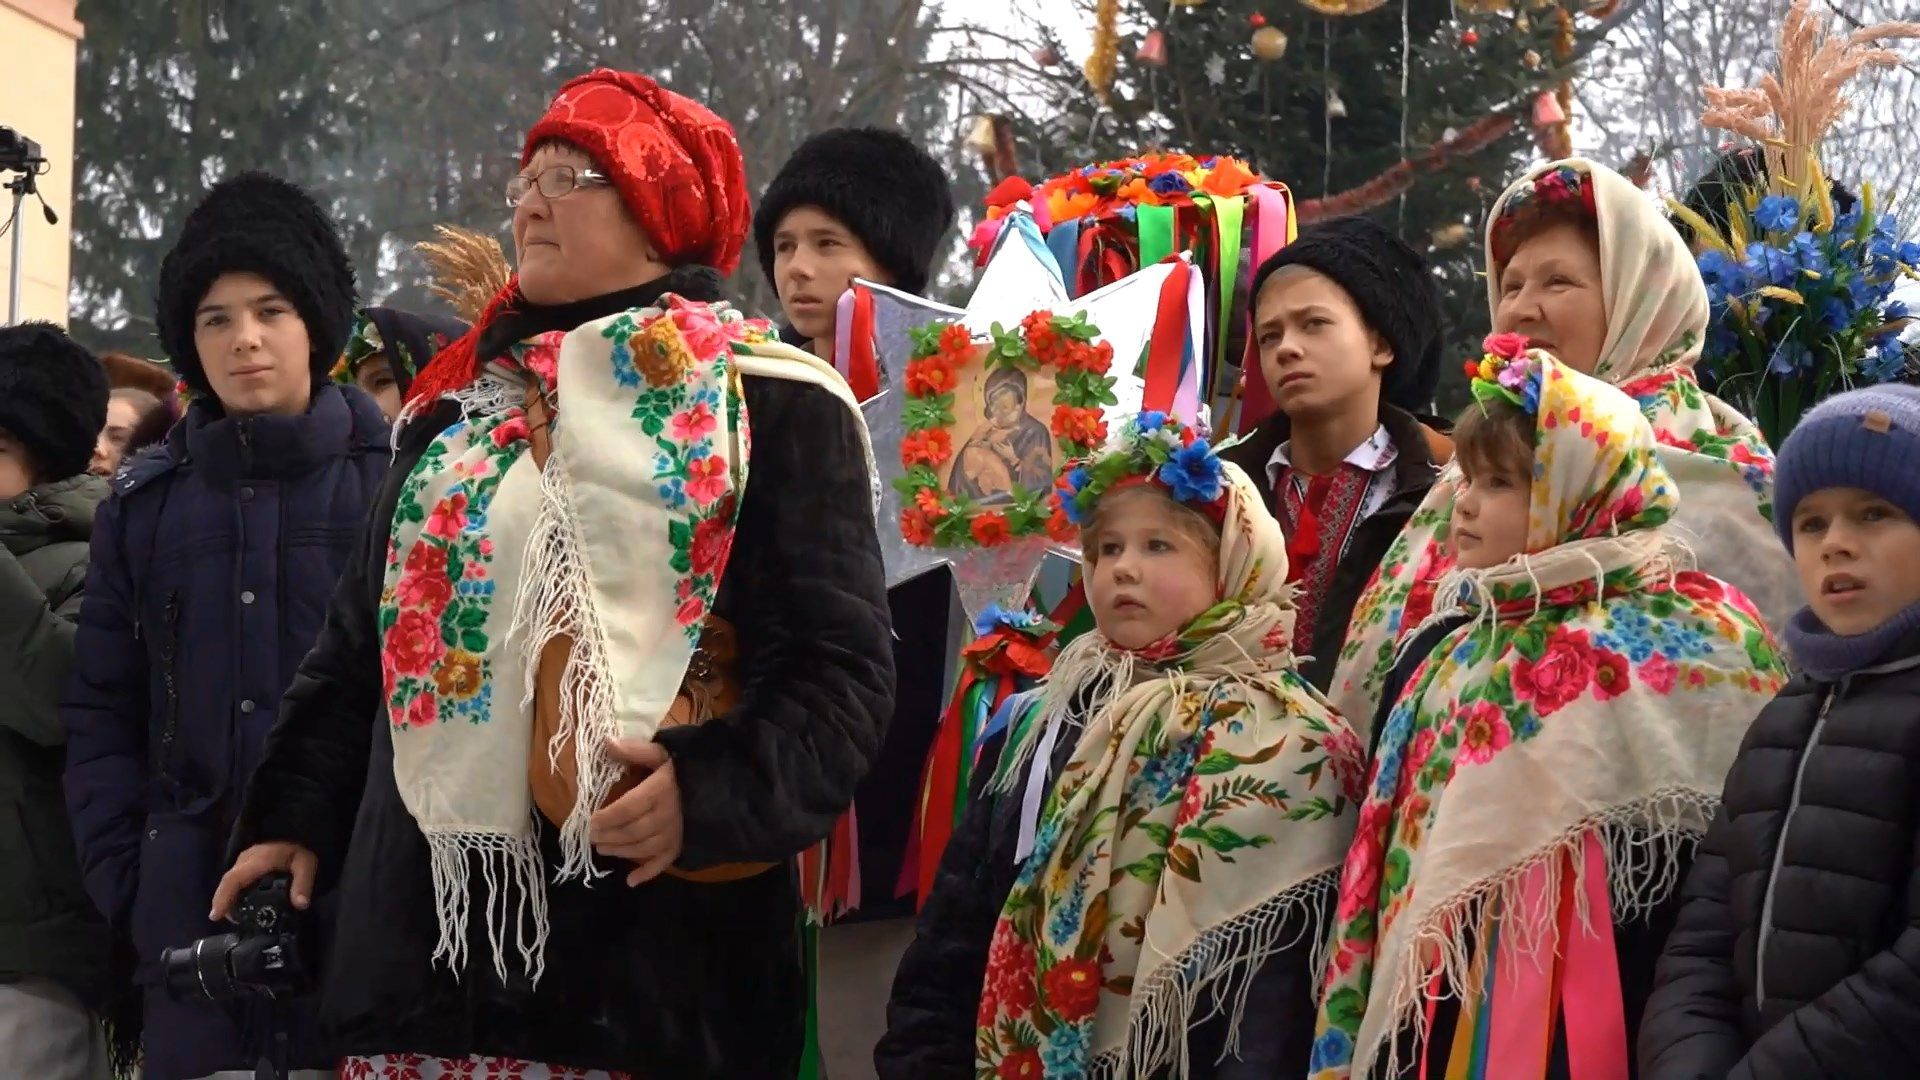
(1009, 448)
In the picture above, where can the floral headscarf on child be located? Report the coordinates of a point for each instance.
(1656, 310)
(1200, 823)
(1582, 719)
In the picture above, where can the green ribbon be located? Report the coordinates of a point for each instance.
(1229, 215)
(1156, 225)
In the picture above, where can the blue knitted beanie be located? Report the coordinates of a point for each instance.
(1867, 439)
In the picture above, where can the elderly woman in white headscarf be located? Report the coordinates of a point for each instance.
(1583, 264)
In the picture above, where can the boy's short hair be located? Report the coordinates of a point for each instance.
(1867, 439)
(1192, 522)
(1495, 435)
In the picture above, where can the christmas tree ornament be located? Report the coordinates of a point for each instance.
(1469, 38)
(1523, 25)
(1341, 7)
(1256, 20)
(1336, 108)
(1269, 43)
(1103, 60)
(1531, 60)
(1547, 111)
(1047, 57)
(980, 139)
(1153, 49)
(1217, 70)
(1450, 236)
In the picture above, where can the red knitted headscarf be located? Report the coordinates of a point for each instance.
(676, 165)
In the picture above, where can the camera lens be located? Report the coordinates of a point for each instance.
(201, 970)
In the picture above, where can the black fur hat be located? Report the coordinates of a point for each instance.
(264, 225)
(53, 398)
(883, 188)
(1393, 286)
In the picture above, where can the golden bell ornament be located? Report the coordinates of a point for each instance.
(1450, 236)
(1269, 43)
(980, 140)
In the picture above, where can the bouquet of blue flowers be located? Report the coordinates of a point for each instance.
(1802, 296)
(1802, 306)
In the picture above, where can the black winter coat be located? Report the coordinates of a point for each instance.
(210, 570)
(1415, 470)
(674, 978)
(1797, 954)
(936, 992)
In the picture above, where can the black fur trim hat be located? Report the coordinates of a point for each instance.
(53, 398)
(1393, 286)
(264, 225)
(883, 188)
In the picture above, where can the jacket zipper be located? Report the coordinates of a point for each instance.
(169, 652)
(1780, 851)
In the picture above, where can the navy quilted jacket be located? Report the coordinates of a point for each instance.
(211, 568)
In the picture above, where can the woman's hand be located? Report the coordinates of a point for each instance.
(257, 862)
(644, 825)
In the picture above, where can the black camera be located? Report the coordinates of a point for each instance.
(259, 960)
(17, 152)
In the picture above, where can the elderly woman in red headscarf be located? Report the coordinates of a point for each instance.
(614, 653)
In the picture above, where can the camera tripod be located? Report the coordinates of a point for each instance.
(22, 155)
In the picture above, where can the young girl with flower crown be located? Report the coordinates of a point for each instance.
(1142, 884)
(1555, 747)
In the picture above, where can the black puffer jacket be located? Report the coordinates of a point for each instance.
(1797, 954)
(936, 992)
(674, 978)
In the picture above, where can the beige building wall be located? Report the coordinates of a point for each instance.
(39, 46)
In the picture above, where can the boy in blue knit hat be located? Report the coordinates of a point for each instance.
(1797, 951)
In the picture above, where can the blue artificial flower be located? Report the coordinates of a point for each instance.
(1909, 253)
(1847, 222)
(994, 617)
(1769, 265)
(1150, 421)
(1169, 183)
(1895, 310)
(1885, 363)
(1778, 213)
(1835, 315)
(1790, 357)
(1193, 474)
(1070, 498)
(1719, 271)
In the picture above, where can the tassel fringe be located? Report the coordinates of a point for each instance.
(556, 600)
(514, 892)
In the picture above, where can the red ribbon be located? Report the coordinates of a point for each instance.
(1168, 350)
(863, 368)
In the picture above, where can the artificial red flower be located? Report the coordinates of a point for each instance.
(1507, 346)
(1043, 341)
(1079, 425)
(1072, 989)
(926, 447)
(991, 529)
(915, 527)
(956, 342)
(1062, 528)
(928, 502)
(931, 376)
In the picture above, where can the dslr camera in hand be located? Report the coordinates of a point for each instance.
(260, 959)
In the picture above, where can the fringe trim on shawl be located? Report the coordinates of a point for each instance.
(510, 873)
(556, 599)
(488, 395)
(1644, 844)
(1219, 967)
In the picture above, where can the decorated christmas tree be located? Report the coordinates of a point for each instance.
(1413, 111)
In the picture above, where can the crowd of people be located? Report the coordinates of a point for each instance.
(1569, 737)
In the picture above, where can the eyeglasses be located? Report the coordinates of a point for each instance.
(554, 182)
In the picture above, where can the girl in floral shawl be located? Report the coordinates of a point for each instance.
(1147, 880)
(1581, 262)
(1538, 785)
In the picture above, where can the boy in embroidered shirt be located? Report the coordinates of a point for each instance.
(1179, 717)
(1568, 728)
(1347, 321)
(1797, 952)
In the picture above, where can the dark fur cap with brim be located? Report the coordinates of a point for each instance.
(260, 224)
(877, 183)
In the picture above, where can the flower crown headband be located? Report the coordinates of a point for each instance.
(1507, 372)
(1562, 185)
(1153, 449)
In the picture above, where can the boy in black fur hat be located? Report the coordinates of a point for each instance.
(211, 568)
(53, 946)
(850, 203)
(1348, 322)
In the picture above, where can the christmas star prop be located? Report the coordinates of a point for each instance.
(1020, 277)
